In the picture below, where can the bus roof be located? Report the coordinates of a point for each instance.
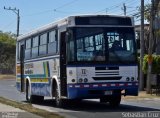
(59, 23)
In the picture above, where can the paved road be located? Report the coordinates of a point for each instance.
(7, 111)
(86, 108)
(8, 90)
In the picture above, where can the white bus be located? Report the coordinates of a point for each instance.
(79, 57)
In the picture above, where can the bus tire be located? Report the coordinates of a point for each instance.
(115, 101)
(32, 98)
(59, 101)
(39, 99)
(28, 92)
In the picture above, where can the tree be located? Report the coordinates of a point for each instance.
(150, 44)
(7, 52)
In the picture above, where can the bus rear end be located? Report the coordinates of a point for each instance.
(101, 58)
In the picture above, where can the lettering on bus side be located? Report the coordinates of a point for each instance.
(55, 67)
(28, 68)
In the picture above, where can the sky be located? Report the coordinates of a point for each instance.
(36, 13)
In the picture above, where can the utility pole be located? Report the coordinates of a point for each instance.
(16, 11)
(150, 49)
(124, 8)
(141, 79)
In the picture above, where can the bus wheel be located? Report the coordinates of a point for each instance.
(39, 99)
(115, 101)
(30, 98)
(28, 92)
(59, 101)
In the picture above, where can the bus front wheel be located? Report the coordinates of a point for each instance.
(115, 101)
(59, 101)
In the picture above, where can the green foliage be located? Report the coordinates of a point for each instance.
(155, 64)
(7, 52)
(147, 9)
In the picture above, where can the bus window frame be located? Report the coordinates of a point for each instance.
(26, 48)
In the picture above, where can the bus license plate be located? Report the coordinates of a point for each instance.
(107, 92)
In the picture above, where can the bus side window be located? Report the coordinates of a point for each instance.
(52, 45)
(35, 43)
(43, 44)
(28, 49)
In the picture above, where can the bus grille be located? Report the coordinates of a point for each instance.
(107, 73)
(106, 78)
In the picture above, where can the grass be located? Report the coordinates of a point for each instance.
(141, 96)
(4, 76)
(29, 108)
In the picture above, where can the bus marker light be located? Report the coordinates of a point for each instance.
(73, 80)
(80, 80)
(85, 80)
(127, 79)
(132, 78)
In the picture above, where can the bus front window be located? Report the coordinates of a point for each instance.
(121, 46)
(104, 45)
(90, 44)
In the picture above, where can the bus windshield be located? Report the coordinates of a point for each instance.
(107, 45)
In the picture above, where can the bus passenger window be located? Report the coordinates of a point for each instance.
(52, 45)
(43, 44)
(28, 49)
(35, 43)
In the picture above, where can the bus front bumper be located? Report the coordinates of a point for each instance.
(97, 90)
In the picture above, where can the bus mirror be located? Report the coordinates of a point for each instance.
(69, 35)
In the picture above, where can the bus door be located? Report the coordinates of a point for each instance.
(63, 75)
(22, 67)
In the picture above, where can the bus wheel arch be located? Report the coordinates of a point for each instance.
(28, 89)
(56, 93)
(54, 84)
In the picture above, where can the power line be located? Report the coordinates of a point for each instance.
(53, 10)
(114, 6)
(16, 11)
(9, 24)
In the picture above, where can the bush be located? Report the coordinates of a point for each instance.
(155, 64)
(7, 53)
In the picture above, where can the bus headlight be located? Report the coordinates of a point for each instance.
(73, 80)
(127, 79)
(85, 80)
(80, 80)
(132, 78)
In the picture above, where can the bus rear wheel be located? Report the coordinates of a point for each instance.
(28, 92)
(32, 98)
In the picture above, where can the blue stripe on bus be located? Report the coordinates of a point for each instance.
(33, 76)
